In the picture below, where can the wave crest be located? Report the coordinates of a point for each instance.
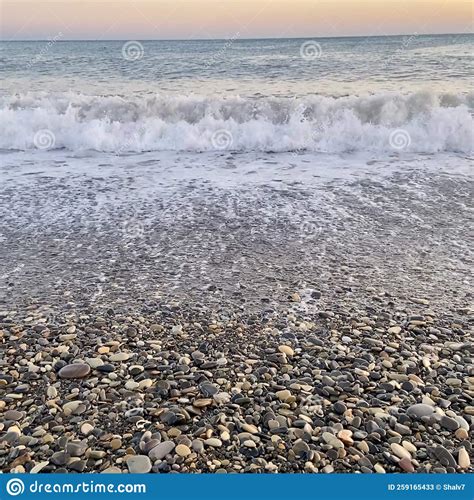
(430, 122)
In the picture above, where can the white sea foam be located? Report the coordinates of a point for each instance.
(430, 123)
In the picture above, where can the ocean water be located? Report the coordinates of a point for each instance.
(240, 170)
(376, 95)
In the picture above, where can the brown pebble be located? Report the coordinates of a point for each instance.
(406, 464)
(76, 370)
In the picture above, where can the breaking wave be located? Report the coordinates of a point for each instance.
(418, 122)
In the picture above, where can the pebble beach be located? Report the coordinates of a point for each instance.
(187, 390)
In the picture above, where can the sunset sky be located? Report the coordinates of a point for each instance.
(188, 19)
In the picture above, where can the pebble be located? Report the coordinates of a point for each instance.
(139, 464)
(420, 410)
(14, 415)
(119, 356)
(464, 461)
(400, 451)
(449, 423)
(444, 456)
(461, 434)
(214, 442)
(76, 370)
(182, 450)
(250, 428)
(284, 395)
(406, 464)
(345, 436)
(332, 440)
(161, 450)
(286, 349)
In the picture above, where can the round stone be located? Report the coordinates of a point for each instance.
(86, 428)
(139, 464)
(76, 370)
(182, 450)
(283, 395)
(339, 407)
(461, 434)
(300, 449)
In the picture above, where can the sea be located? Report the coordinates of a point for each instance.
(236, 169)
(394, 94)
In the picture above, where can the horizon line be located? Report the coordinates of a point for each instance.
(226, 39)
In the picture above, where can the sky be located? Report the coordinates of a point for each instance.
(198, 19)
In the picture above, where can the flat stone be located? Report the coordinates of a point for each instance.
(78, 465)
(208, 389)
(400, 451)
(214, 442)
(38, 467)
(112, 470)
(14, 415)
(147, 446)
(75, 370)
(71, 406)
(449, 423)
(332, 440)
(198, 445)
(250, 428)
(131, 385)
(119, 356)
(139, 464)
(444, 456)
(286, 349)
(59, 458)
(222, 398)
(409, 446)
(76, 449)
(420, 410)
(345, 435)
(201, 403)
(161, 450)
(94, 362)
(462, 423)
(454, 382)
